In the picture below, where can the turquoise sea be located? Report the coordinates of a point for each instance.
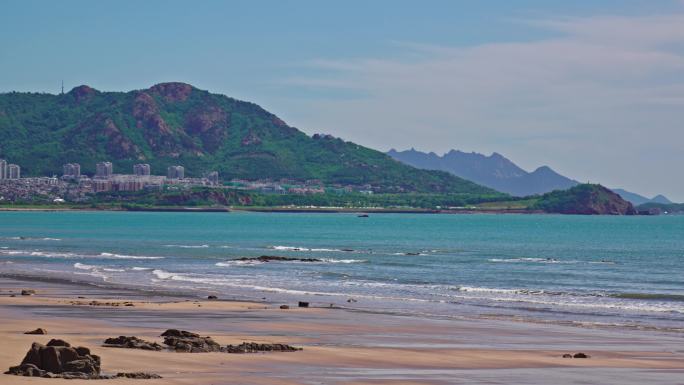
(622, 271)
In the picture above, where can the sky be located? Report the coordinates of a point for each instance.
(593, 89)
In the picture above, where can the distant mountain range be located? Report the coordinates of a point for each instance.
(637, 199)
(498, 172)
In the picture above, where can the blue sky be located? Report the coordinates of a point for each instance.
(594, 89)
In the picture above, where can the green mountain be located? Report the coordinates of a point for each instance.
(175, 123)
(586, 199)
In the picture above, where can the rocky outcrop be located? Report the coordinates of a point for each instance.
(184, 341)
(138, 375)
(37, 331)
(188, 342)
(253, 347)
(58, 359)
(172, 91)
(82, 93)
(131, 343)
(210, 123)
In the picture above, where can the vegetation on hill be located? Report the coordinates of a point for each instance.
(175, 123)
(587, 199)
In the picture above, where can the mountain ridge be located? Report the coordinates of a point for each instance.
(176, 123)
(500, 173)
(494, 171)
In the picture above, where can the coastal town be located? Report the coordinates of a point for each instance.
(77, 187)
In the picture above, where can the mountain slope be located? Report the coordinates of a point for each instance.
(493, 171)
(175, 123)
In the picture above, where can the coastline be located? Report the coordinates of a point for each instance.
(340, 346)
(275, 209)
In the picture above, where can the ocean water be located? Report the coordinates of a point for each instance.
(612, 271)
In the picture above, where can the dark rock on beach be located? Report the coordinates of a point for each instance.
(580, 355)
(284, 307)
(188, 342)
(58, 342)
(212, 297)
(37, 331)
(303, 304)
(138, 375)
(131, 343)
(184, 341)
(253, 347)
(58, 359)
(273, 258)
(28, 292)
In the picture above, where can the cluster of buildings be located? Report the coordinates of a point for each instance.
(9, 170)
(106, 180)
(76, 187)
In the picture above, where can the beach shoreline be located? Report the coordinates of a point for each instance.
(340, 347)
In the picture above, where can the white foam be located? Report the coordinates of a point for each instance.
(239, 263)
(189, 246)
(531, 260)
(83, 266)
(161, 274)
(331, 260)
(307, 249)
(122, 256)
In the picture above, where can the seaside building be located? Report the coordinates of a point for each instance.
(71, 171)
(141, 169)
(100, 185)
(3, 169)
(13, 171)
(103, 170)
(175, 172)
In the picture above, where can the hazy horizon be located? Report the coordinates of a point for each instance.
(593, 90)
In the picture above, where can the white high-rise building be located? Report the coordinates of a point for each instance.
(175, 172)
(72, 170)
(13, 171)
(142, 169)
(103, 170)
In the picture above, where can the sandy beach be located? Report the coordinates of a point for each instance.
(339, 346)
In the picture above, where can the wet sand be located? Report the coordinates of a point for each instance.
(340, 346)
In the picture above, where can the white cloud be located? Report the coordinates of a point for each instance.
(592, 103)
